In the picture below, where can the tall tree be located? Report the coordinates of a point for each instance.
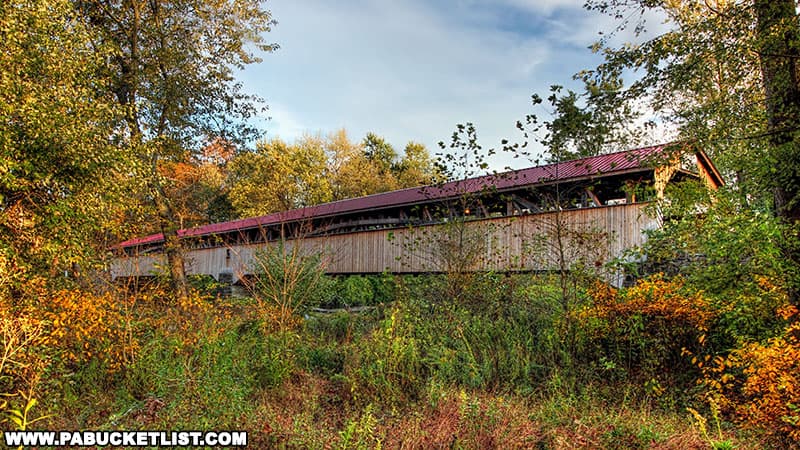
(197, 190)
(588, 124)
(380, 153)
(352, 172)
(727, 74)
(278, 176)
(172, 69)
(778, 47)
(55, 124)
(417, 167)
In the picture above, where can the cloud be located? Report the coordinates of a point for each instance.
(412, 70)
(283, 124)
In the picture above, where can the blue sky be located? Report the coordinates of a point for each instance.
(412, 70)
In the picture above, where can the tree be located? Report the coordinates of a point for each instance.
(172, 71)
(278, 177)
(352, 172)
(417, 167)
(380, 153)
(55, 155)
(198, 189)
(604, 123)
(726, 74)
(778, 47)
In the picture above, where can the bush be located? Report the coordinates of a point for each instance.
(87, 326)
(206, 285)
(759, 382)
(355, 290)
(648, 329)
(384, 286)
(287, 280)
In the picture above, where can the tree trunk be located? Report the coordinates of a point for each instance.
(172, 246)
(779, 50)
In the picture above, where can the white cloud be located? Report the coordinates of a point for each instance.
(283, 124)
(546, 6)
(412, 70)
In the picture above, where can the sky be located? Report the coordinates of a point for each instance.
(412, 70)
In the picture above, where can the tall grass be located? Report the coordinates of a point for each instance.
(416, 371)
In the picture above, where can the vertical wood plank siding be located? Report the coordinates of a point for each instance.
(507, 243)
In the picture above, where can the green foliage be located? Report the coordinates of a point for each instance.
(726, 75)
(355, 291)
(173, 67)
(54, 151)
(359, 434)
(21, 419)
(337, 326)
(386, 367)
(380, 153)
(170, 68)
(212, 380)
(287, 280)
(727, 249)
(384, 287)
(511, 341)
(278, 177)
(205, 285)
(603, 123)
(424, 372)
(323, 360)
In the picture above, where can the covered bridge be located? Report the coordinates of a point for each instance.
(503, 222)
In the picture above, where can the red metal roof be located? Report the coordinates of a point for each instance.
(608, 164)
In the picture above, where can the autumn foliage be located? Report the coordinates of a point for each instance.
(660, 327)
(650, 327)
(656, 297)
(84, 326)
(759, 383)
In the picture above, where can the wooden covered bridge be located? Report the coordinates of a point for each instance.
(508, 222)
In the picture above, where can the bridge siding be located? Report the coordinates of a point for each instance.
(373, 251)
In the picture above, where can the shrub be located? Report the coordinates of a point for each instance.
(355, 290)
(206, 285)
(759, 383)
(86, 326)
(287, 280)
(384, 286)
(732, 251)
(648, 328)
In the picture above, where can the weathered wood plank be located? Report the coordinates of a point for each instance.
(509, 243)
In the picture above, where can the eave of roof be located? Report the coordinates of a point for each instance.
(574, 170)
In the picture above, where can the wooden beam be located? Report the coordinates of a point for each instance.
(594, 197)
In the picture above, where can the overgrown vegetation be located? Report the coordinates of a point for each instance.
(108, 132)
(418, 370)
